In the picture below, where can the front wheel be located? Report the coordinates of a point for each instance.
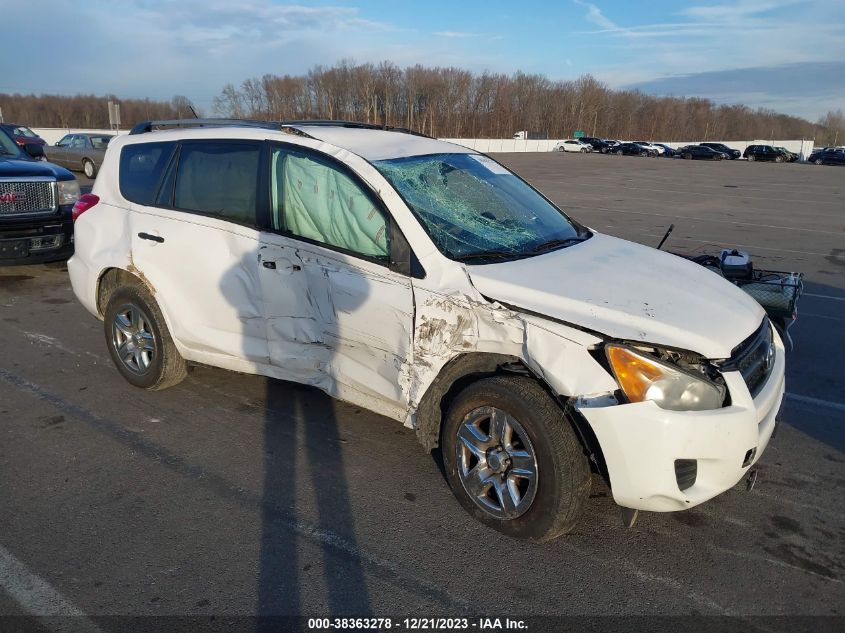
(619, 152)
(688, 156)
(88, 168)
(778, 159)
(138, 340)
(583, 150)
(513, 460)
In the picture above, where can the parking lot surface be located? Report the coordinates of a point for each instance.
(238, 495)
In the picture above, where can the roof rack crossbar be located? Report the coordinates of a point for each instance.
(148, 126)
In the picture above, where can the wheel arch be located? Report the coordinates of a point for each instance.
(468, 368)
(111, 279)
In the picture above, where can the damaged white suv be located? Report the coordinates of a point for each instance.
(428, 283)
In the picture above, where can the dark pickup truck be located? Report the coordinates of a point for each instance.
(36, 199)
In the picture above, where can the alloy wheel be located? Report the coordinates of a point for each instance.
(133, 339)
(496, 462)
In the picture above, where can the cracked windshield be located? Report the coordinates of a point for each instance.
(475, 209)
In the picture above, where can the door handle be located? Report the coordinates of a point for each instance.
(152, 238)
(271, 265)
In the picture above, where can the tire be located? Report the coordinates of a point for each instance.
(619, 152)
(687, 156)
(133, 317)
(778, 159)
(560, 149)
(583, 150)
(751, 158)
(818, 161)
(546, 505)
(89, 168)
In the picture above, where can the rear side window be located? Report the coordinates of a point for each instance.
(218, 178)
(141, 168)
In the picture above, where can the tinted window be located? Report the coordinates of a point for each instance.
(313, 199)
(219, 178)
(141, 167)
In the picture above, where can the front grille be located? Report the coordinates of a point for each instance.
(25, 197)
(686, 472)
(754, 358)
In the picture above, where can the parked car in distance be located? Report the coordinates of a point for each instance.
(729, 152)
(699, 152)
(22, 134)
(36, 201)
(668, 152)
(650, 146)
(428, 283)
(598, 145)
(763, 152)
(789, 157)
(827, 157)
(81, 151)
(632, 149)
(610, 143)
(573, 145)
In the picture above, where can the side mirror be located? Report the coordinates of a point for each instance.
(34, 150)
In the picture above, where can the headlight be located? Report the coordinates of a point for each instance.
(643, 377)
(68, 191)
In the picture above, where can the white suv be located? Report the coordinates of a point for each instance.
(428, 283)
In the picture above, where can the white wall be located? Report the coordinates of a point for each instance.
(490, 145)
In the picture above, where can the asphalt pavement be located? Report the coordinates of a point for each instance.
(235, 495)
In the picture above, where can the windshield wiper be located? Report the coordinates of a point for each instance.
(489, 255)
(555, 244)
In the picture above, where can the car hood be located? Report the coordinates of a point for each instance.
(14, 167)
(627, 291)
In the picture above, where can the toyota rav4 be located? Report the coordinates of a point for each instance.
(427, 282)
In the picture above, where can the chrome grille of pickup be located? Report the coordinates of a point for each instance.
(24, 197)
(754, 358)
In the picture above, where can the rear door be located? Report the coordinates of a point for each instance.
(195, 240)
(336, 312)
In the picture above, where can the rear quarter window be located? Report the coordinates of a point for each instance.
(141, 169)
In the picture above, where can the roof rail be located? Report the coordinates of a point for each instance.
(148, 126)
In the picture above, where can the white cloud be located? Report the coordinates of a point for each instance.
(458, 34)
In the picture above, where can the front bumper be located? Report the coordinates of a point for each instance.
(36, 239)
(641, 442)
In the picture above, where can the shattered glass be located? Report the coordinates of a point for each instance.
(471, 205)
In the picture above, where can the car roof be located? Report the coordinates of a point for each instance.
(380, 144)
(368, 141)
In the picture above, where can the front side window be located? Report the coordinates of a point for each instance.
(315, 200)
(65, 140)
(218, 178)
(473, 208)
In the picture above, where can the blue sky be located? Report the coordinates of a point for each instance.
(788, 55)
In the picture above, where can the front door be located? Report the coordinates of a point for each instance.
(334, 308)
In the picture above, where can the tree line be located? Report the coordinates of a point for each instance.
(87, 111)
(452, 103)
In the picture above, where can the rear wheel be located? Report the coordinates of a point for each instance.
(688, 156)
(751, 158)
(139, 342)
(513, 460)
(88, 168)
(619, 152)
(560, 149)
(818, 161)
